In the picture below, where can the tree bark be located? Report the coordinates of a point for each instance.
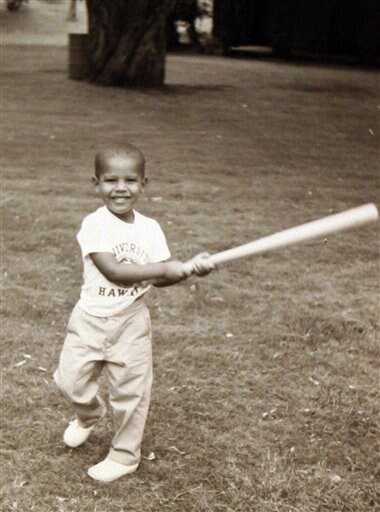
(127, 41)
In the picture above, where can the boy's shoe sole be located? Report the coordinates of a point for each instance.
(109, 470)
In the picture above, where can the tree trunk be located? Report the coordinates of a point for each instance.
(127, 41)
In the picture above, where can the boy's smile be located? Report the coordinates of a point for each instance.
(120, 185)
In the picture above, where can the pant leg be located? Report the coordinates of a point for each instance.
(80, 364)
(130, 375)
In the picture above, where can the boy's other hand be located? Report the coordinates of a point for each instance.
(201, 265)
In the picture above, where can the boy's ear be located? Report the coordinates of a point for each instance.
(144, 183)
(95, 181)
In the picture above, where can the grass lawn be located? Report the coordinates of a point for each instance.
(266, 372)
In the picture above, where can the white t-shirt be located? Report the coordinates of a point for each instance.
(141, 242)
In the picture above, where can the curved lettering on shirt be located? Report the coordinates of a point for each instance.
(130, 252)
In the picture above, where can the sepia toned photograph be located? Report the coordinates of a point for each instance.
(190, 255)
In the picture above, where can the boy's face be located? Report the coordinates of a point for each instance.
(120, 185)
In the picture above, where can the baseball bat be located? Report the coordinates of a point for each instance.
(348, 219)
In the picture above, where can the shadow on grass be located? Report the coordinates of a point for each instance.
(182, 90)
(329, 88)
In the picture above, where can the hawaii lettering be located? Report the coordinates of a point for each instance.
(118, 292)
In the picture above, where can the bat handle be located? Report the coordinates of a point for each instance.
(190, 266)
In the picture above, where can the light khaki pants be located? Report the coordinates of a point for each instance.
(120, 346)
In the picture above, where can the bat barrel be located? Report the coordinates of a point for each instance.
(319, 228)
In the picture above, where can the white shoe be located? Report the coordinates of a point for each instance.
(75, 435)
(109, 470)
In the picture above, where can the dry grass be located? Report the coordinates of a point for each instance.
(267, 371)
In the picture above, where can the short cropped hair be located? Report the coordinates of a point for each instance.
(127, 151)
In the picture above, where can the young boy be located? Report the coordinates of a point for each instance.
(109, 329)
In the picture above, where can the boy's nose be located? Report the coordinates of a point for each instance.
(121, 185)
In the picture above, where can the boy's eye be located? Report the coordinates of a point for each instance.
(115, 180)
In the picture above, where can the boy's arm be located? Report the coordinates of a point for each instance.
(161, 282)
(159, 274)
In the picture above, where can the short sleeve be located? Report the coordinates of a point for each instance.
(92, 237)
(160, 250)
